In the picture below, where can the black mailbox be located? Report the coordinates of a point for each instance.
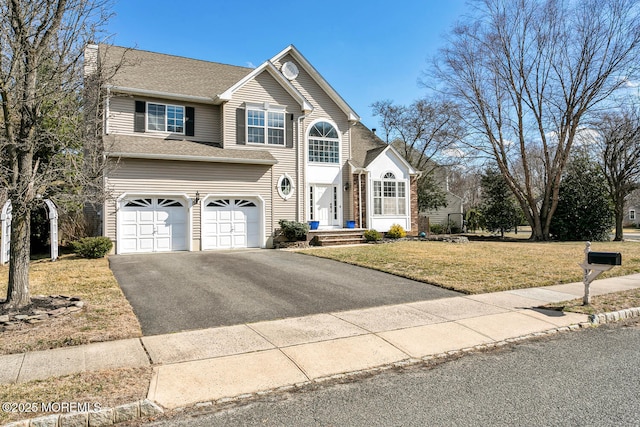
(607, 258)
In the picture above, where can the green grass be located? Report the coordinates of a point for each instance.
(107, 314)
(480, 267)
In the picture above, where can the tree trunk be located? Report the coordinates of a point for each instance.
(18, 294)
(618, 211)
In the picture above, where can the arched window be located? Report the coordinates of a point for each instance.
(389, 195)
(324, 144)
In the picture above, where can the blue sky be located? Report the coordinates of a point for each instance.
(367, 50)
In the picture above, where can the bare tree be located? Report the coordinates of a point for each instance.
(619, 143)
(527, 74)
(41, 125)
(422, 131)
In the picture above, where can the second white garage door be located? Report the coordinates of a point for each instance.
(230, 223)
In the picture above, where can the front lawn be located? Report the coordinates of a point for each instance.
(106, 315)
(480, 267)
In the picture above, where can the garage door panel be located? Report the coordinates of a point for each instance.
(145, 245)
(163, 244)
(129, 230)
(154, 224)
(129, 245)
(230, 223)
(145, 216)
(145, 230)
(129, 216)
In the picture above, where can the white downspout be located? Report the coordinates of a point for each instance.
(106, 114)
(360, 198)
(304, 171)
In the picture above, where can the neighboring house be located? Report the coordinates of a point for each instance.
(212, 156)
(632, 216)
(632, 210)
(454, 212)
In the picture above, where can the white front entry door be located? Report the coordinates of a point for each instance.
(325, 205)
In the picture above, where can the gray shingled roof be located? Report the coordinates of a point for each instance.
(171, 74)
(365, 145)
(130, 146)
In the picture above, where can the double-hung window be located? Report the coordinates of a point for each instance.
(165, 118)
(265, 126)
(389, 196)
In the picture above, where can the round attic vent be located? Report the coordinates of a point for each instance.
(289, 70)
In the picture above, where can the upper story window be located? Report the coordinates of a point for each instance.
(165, 118)
(324, 144)
(632, 214)
(265, 126)
(389, 196)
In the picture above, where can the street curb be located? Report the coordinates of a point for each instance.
(104, 417)
(614, 316)
(406, 363)
(147, 408)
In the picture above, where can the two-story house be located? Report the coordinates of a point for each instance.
(211, 156)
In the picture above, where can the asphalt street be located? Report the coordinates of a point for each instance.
(172, 292)
(583, 378)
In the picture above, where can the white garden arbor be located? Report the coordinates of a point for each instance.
(5, 220)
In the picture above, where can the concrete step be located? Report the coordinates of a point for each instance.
(337, 237)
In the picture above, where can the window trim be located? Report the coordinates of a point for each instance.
(166, 118)
(632, 214)
(266, 109)
(382, 183)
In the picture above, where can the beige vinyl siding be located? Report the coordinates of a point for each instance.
(264, 88)
(324, 108)
(158, 177)
(207, 118)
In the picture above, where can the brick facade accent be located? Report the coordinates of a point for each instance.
(360, 191)
(413, 185)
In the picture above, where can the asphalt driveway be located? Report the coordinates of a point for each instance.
(172, 292)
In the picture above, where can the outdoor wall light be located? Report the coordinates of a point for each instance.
(197, 199)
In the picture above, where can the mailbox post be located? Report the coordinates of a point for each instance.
(595, 263)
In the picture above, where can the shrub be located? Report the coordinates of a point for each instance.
(584, 209)
(372, 235)
(454, 227)
(437, 228)
(294, 230)
(92, 247)
(396, 232)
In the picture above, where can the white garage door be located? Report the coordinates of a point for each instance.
(153, 225)
(230, 223)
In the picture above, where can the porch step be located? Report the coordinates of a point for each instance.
(348, 236)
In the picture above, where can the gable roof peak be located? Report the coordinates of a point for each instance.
(317, 77)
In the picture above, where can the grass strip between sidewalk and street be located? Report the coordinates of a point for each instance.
(100, 389)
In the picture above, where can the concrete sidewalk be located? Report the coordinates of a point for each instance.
(211, 364)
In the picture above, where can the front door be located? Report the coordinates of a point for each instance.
(325, 205)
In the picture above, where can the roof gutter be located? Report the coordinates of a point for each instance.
(159, 94)
(207, 159)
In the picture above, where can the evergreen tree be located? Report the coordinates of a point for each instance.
(498, 208)
(584, 208)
